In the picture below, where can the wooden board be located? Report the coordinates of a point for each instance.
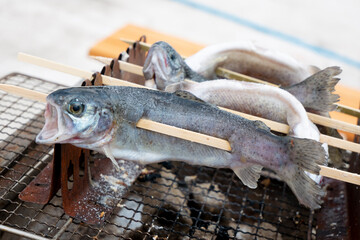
(112, 46)
(349, 97)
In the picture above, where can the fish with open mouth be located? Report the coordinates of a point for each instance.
(104, 119)
(315, 92)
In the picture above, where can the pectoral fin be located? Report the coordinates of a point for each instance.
(132, 115)
(249, 175)
(109, 154)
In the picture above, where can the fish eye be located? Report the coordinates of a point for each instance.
(172, 57)
(76, 107)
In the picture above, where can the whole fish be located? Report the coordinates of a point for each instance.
(256, 99)
(167, 67)
(277, 68)
(104, 119)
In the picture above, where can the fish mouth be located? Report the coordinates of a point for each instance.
(156, 66)
(54, 130)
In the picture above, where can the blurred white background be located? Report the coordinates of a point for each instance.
(321, 33)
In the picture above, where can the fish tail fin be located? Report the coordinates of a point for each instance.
(307, 191)
(305, 155)
(288, 157)
(316, 92)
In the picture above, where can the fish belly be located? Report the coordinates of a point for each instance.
(149, 147)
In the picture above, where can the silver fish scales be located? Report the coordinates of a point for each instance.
(104, 119)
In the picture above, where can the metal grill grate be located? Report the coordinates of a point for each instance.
(168, 201)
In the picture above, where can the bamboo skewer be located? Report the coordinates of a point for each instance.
(22, 92)
(238, 76)
(143, 123)
(348, 110)
(186, 134)
(340, 175)
(321, 120)
(125, 66)
(72, 70)
(109, 81)
(144, 46)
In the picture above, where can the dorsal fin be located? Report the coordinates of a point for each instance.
(262, 125)
(188, 95)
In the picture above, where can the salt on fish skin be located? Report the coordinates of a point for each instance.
(106, 117)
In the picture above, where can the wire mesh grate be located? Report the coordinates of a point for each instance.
(168, 200)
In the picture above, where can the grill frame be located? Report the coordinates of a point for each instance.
(254, 209)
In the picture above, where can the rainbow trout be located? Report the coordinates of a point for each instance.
(256, 99)
(167, 67)
(315, 93)
(104, 119)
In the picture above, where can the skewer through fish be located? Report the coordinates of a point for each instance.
(315, 93)
(167, 67)
(104, 119)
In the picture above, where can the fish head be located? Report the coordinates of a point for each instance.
(164, 64)
(77, 116)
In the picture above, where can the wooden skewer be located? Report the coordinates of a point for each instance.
(340, 175)
(348, 110)
(113, 81)
(238, 76)
(125, 66)
(275, 126)
(333, 123)
(186, 135)
(321, 120)
(144, 46)
(22, 92)
(72, 70)
(143, 123)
